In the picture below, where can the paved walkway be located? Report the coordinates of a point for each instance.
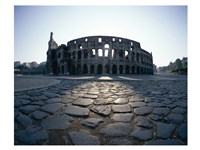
(98, 112)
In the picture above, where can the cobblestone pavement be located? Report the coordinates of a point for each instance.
(103, 113)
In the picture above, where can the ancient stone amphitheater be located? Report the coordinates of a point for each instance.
(98, 55)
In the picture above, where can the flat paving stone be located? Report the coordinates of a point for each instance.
(119, 141)
(143, 122)
(52, 108)
(121, 108)
(121, 101)
(181, 104)
(83, 138)
(90, 96)
(83, 102)
(50, 94)
(102, 110)
(137, 104)
(143, 110)
(91, 122)
(164, 142)
(136, 99)
(40, 103)
(179, 110)
(182, 131)
(24, 120)
(161, 111)
(155, 117)
(76, 111)
(53, 100)
(116, 129)
(26, 137)
(174, 118)
(165, 130)
(28, 109)
(122, 117)
(57, 122)
(102, 101)
(142, 134)
(39, 115)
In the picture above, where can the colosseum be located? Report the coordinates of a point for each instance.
(98, 55)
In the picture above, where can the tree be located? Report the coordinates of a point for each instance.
(178, 65)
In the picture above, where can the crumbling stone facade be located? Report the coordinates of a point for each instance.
(98, 55)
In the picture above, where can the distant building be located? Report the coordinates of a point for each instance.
(33, 65)
(17, 64)
(98, 55)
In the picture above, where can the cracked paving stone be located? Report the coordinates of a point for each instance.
(161, 111)
(58, 122)
(118, 141)
(143, 110)
(165, 130)
(40, 103)
(50, 94)
(52, 108)
(181, 103)
(142, 134)
(174, 118)
(182, 131)
(83, 102)
(121, 108)
(39, 115)
(121, 101)
(179, 110)
(155, 117)
(91, 122)
(24, 120)
(83, 137)
(90, 96)
(53, 100)
(116, 129)
(76, 111)
(102, 109)
(136, 99)
(143, 122)
(156, 104)
(33, 93)
(32, 136)
(28, 109)
(164, 142)
(137, 104)
(126, 117)
(106, 101)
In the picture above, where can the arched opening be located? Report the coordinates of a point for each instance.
(92, 69)
(126, 55)
(79, 54)
(121, 54)
(79, 71)
(59, 55)
(127, 69)
(74, 54)
(73, 69)
(142, 70)
(80, 47)
(55, 68)
(114, 53)
(133, 69)
(100, 52)
(62, 69)
(107, 69)
(106, 53)
(121, 69)
(138, 70)
(85, 69)
(114, 69)
(58, 70)
(92, 53)
(53, 55)
(100, 69)
(106, 46)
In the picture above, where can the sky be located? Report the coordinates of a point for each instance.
(161, 30)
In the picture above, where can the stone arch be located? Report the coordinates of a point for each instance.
(114, 69)
(121, 68)
(107, 69)
(100, 52)
(92, 69)
(79, 70)
(55, 68)
(79, 54)
(62, 69)
(137, 57)
(106, 46)
(133, 69)
(138, 70)
(85, 69)
(58, 69)
(127, 69)
(99, 69)
(85, 54)
(74, 54)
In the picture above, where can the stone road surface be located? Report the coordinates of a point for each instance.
(83, 112)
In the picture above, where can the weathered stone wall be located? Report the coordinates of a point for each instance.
(100, 55)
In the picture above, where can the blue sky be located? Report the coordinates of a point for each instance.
(161, 30)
